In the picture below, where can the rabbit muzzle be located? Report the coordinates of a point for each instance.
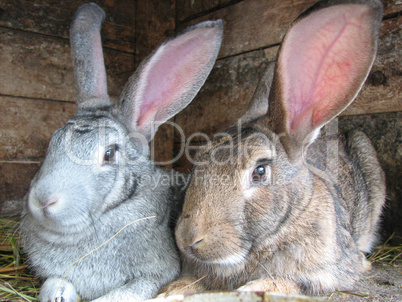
(217, 245)
(211, 236)
(45, 206)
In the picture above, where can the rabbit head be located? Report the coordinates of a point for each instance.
(90, 160)
(256, 205)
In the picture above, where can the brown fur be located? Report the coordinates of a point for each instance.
(304, 226)
(298, 233)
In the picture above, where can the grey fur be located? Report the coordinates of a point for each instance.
(83, 195)
(304, 224)
(87, 55)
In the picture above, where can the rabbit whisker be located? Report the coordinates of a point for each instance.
(92, 224)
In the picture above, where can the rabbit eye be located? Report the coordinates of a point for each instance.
(110, 155)
(260, 170)
(260, 175)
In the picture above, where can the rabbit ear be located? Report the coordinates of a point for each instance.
(86, 50)
(258, 106)
(322, 64)
(168, 80)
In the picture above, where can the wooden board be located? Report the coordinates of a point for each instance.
(161, 147)
(392, 7)
(253, 24)
(189, 9)
(53, 18)
(155, 23)
(37, 66)
(26, 126)
(15, 179)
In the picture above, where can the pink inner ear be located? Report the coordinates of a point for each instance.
(170, 74)
(322, 62)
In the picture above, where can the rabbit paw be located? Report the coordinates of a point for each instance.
(271, 285)
(58, 290)
(183, 285)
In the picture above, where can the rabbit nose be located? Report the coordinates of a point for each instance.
(197, 243)
(50, 202)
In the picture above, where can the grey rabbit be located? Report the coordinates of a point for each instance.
(96, 222)
(272, 207)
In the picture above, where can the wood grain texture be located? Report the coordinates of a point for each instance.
(53, 18)
(253, 24)
(155, 23)
(27, 125)
(37, 66)
(14, 180)
(392, 7)
(161, 147)
(190, 9)
(186, 9)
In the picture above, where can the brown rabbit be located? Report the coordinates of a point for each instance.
(263, 213)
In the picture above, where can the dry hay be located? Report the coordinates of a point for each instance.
(16, 283)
